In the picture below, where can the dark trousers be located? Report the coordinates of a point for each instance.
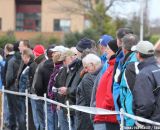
(16, 116)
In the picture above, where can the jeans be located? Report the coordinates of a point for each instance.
(52, 118)
(15, 113)
(6, 110)
(73, 122)
(40, 113)
(34, 112)
(62, 118)
(106, 126)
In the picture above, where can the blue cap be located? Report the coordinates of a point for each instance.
(104, 40)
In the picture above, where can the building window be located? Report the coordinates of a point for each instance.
(0, 23)
(28, 22)
(62, 25)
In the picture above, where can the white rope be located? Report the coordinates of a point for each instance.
(90, 110)
(137, 118)
(93, 110)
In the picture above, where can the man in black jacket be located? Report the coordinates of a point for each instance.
(73, 77)
(37, 105)
(12, 70)
(146, 91)
(41, 84)
(8, 53)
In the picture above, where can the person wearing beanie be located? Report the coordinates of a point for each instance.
(38, 50)
(84, 44)
(113, 45)
(37, 105)
(103, 41)
(104, 98)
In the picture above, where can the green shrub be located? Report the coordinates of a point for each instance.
(154, 38)
(71, 39)
(7, 38)
(41, 39)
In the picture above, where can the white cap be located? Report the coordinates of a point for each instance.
(144, 47)
(61, 49)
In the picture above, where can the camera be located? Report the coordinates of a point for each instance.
(54, 89)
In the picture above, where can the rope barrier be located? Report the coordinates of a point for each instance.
(90, 110)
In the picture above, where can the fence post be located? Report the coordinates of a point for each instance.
(27, 123)
(122, 119)
(68, 114)
(2, 113)
(45, 109)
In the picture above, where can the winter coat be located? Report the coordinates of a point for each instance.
(116, 73)
(83, 97)
(73, 79)
(20, 70)
(12, 70)
(146, 91)
(125, 92)
(45, 71)
(52, 79)
(8, 57)
(104, 98)
(33, 72)
(117, 79)
(24, 78)
(103, 58)
(60, 81)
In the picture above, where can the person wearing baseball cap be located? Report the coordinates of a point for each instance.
(103, 42)
(146, 94)
(144, 48)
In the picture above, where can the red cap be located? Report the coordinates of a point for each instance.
(38, 50)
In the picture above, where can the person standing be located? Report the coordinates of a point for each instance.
(92, 65)
(12, 71)
(104, 97)
(146, 94)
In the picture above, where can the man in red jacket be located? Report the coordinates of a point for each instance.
(104, 98)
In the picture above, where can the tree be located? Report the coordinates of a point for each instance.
(95, 10)
(71, 39)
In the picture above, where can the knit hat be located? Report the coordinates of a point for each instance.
(104, 40)
(38, 50)
(113, 45)
(84, 44)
